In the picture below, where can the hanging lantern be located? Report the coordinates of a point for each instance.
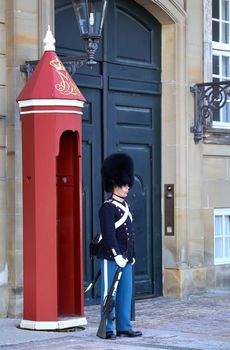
(90, 17)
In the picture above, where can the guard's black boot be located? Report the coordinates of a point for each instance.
(129, 333)
(110, 335)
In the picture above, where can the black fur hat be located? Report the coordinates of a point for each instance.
(117, 170)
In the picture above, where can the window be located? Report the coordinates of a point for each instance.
(221, 55)
(221, 21)
(221, 236)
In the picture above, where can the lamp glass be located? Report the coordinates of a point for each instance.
(90, 16)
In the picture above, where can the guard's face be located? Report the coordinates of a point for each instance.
(122, 191)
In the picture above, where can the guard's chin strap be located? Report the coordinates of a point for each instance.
(116, 195)
(118, 198)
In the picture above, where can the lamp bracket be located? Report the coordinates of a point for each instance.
(71, 63)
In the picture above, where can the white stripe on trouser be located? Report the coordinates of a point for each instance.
(106, 277)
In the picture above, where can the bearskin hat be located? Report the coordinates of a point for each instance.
(117, 170)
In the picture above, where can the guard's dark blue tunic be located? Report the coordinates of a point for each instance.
(115, 241)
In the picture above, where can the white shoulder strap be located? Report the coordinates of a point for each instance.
(124, 208)
(127, 213)
(123, 218)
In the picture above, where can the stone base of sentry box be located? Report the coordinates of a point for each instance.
(60, 324)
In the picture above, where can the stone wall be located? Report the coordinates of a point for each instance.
(190, 268)
(21, 44)
(199, 172)
(3, 203)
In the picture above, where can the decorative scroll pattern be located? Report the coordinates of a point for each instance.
(209, 97)
(66, 85)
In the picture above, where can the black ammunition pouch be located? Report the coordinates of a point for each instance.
(94, 245)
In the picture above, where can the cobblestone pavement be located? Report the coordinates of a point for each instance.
(198, 322)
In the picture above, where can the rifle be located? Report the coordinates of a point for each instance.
(109, 303)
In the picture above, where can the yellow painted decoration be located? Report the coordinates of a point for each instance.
(66, 85)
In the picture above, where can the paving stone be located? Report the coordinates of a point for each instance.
(198, 322)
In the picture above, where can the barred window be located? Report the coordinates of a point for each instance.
(222, 236)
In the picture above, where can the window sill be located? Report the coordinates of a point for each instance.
(221, 262)
(216, 136)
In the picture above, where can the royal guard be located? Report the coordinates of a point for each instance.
(116, 249)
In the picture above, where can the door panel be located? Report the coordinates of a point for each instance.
(122, 114)
(133, 120)
(140, 202)
(135, 35)
(91, 160)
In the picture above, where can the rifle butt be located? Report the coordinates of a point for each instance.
(101, 332)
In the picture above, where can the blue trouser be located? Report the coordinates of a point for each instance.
(123, 295)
